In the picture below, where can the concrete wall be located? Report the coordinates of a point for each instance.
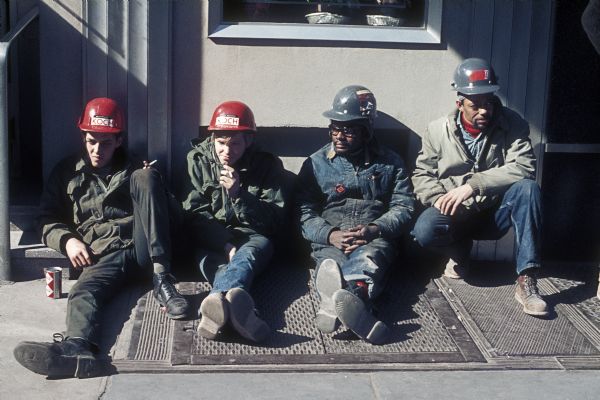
(155, 57)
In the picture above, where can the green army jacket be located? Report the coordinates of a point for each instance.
(444, 164)
(77, 203)
(211, 215)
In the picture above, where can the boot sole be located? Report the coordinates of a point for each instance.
(36, 358)
(531, 312)
(243, 317)
(328, 281)
(214, 316)
(353, 313)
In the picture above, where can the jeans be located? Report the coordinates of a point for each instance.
(100, 281)
(370, 262)
(254, 251)
(452, 235)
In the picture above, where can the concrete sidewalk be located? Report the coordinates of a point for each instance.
(28, 315)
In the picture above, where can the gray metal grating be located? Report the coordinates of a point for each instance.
(510, 331)
(287, 300)
(156, 332)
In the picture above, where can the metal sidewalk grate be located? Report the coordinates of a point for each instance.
(497, 318)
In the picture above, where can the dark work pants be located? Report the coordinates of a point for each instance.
(101, 281)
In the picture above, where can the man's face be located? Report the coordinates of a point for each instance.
(478, 109)
(230, 147)
(347, 138)
(100, 147)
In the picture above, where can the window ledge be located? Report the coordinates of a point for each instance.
(430, 34)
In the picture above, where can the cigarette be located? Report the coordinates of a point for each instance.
(152, 162)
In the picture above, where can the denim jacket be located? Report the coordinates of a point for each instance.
(333, 193)
(78, 203)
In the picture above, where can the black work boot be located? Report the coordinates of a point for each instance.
(528, 295)
(71, 357)
(353, 308)
(175, 305)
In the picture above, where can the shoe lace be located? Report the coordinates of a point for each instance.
(530, 285)
(168, 288)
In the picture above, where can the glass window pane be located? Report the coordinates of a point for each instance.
(403, 13)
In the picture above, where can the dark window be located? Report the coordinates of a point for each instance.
(401, 13)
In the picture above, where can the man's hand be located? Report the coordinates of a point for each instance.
(351, 239)
(229, 250)
(78, 253)
(449, 202)
(230, 180)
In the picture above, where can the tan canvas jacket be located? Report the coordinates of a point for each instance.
(444, 163)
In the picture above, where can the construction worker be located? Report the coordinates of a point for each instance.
(354, 201)
(475, 174)
(234, 207)
(110, 216)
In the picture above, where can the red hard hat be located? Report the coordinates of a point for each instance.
(232, 116)
(101, 115)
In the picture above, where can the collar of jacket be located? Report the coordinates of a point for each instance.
(372, 150)
(119, 161)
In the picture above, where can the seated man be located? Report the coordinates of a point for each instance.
(111, 220)
(234, 206)
(476, 173)
(354, 201)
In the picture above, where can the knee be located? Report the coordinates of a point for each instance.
(527, 188)
(427, 231)
(145, 178)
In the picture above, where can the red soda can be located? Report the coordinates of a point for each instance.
(53, 282)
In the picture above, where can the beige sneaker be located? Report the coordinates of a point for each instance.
(243, 316)
(455, 270)
(214, 315)
(528, 295)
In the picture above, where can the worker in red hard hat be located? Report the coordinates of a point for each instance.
(110, 216)
(235, 207)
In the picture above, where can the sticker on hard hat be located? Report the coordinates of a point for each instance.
(479, 75)
(227, 120)
(366, 101)
(102, 121)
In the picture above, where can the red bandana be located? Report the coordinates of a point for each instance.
(471, 130)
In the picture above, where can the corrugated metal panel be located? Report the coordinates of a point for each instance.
(61, 78)
(117, 51)
(137, 78)
(159, 83)
(95, 49)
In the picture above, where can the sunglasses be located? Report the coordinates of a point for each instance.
(346, 131)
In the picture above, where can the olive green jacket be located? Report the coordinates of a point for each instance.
(77, 203)
(211, 215)
(444, 164)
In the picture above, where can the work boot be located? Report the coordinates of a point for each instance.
(355, 314)
(214, 315)
(328, 281)
(68, 358)
(244, 317)
(528, 295)
(165, 293)
(455, 270)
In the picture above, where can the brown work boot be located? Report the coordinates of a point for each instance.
(455, 270)
(528, 295)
